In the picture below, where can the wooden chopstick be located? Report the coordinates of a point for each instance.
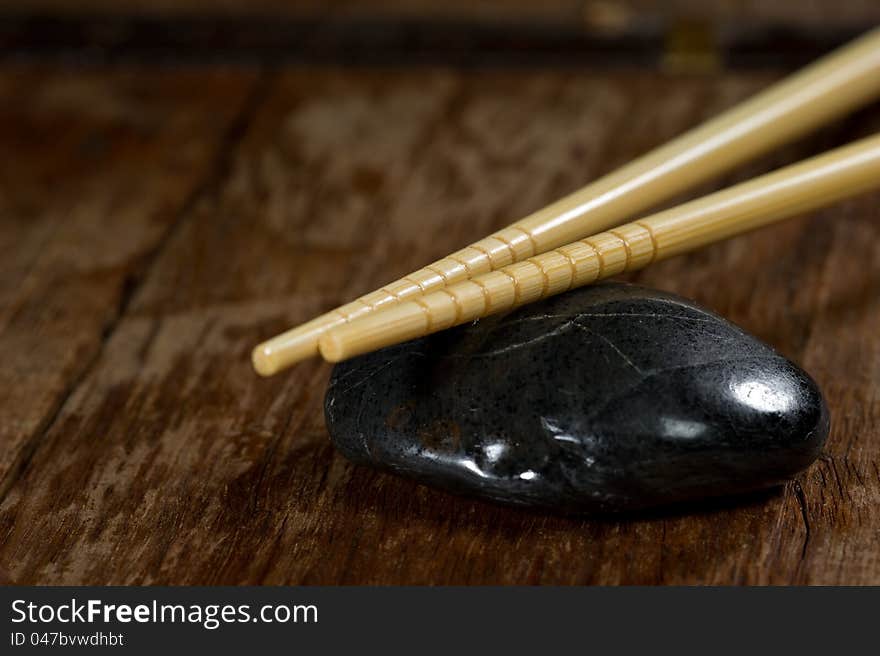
(832, 86)
(813, 183)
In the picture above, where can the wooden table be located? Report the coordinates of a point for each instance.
(158, 221)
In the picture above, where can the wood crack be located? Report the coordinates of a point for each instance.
(802, 504)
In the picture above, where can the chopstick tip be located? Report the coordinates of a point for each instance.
(263, 360)
(286, 349)
(331, 348)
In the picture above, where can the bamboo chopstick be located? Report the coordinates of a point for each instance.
(836, 84)
(797, 188)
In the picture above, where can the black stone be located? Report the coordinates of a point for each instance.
(608, 398)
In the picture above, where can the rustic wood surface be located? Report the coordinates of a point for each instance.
(155, 224)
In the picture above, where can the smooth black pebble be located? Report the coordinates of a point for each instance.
(604, 399)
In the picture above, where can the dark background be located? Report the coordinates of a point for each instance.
(407, 32)
(182, 179)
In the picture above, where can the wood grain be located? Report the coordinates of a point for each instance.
(161, 458)
(96, 171)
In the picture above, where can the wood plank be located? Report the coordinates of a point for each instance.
(96, 169)
(172, 463)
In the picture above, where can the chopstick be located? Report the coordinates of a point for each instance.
(810, 184)
(832, 86)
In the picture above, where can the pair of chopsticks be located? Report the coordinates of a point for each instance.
(582, 238)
